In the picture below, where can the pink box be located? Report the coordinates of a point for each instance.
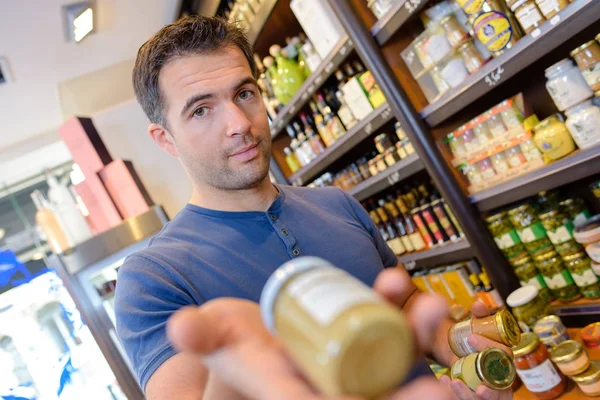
(125, 188)
(103, 213)
(85, 144)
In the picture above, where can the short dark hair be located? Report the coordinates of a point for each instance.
(188, 36)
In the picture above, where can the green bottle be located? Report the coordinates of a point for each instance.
(289, 76)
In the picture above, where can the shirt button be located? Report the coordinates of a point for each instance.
(273, 216)
(285, 232)
(296, 252)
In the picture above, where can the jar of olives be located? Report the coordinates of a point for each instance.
(527, 306)
(504, 234)
(581, 270)
(528, 274)
(530, 230)
(557, 277)
(560, 232)
(576, 210)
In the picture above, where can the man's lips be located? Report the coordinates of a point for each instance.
(245, 151)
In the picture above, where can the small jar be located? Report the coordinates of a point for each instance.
(551, 7)
(504, 234)
(591, 335)
(470, 140)
(588, 232)
(485, 169)
(551, 330)
(373, 166)
(482, 133)
(391, 156)
(337, 329)
(511, 115)
(528, 274)
(456, 144)
(363, 167)
(471, 57)
(454, 30)
(437, 45)
(472, 174)
(528, 14)
(583, 122)
(492, 367)
(530, 150)
(570, 357)
(454, 71)
(501, 327)
(495, 124)
(587, 58)
(527, 305)
(566, 85)
(589, 380)
(536, 370)
(401, 150)
(383, 142)
(515, 157)
(530, 230)
(553, 138)
(500, 163)
(580, 267)
(576, 210)
(557, 277)
(380, 161)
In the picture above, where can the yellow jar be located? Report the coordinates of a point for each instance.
(589, 380)
(492, 367)
(570, 357)
(553, 139)
(344, 337)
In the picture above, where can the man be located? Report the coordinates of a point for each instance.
(195, 79)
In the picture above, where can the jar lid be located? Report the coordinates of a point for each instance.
(495, 217)
(546, 256)
(548, 214)
(521, 261)
(496, 368)
(587, 231)
(575, 256)
(565, 62)
(380, 137)
(276, 281)
(590, 375)
(520, 208)
(582, 47)
(591, 335)
(517, 4)
(522, 296)
(508, 327)
(579, 106)
(529, 342)
(566, 351)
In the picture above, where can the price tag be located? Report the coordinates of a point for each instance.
(411, 5)
(537, 32)
(555, 20)
(410, 265)
(329, 67)
(386, 113)
(343, 50)
(394, 178)
(494, 77)
(369, 129)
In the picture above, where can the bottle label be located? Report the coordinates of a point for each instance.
(432, 225)
(529, 16)
(324, 293)
(532, 233)
(444, 221)
(460, 334)
(541, 378)
(537, 281)
(584, 278)
(562, 234)
(407, 243)
(396, 246)
(417, 241)
(421, 225)
(560, 280)
(507, 240)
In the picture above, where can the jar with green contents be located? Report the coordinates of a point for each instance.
(527, 306)
(580, 266)
(559, 229)
(557, 277)
(528, 274)
(530, 230)
(576, 210)
(504, 234)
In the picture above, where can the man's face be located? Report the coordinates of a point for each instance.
(217, 123)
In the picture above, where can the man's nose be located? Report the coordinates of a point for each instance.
(237, 121)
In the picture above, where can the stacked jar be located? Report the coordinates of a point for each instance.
(588, 235)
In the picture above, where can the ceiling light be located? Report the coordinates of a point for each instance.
(79, 20)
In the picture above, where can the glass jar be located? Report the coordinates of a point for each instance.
(454, 30)
(570, 357)
(583, 122)
(560, 231)
(500, 163)
(482, 133)
(551, 331)
(383, 142)
(470, 141)
(528, 274)
(589, 380)
(557, 277)
(587, 58)
(495, 124)
(364, 329)
(456, 144)
(529, 228)
(553, 139)
(536, 370)
(504, 234)
(401, 150)
(485, 169)
(363, 168)
(550, 7)
(511, 115)
(471, 57)
(391, 156)
(575, 209)
(527, 305)
(530, 150)
(581, 270)
(566, 85)
(492, 367)
(373, 166)
(591, 335)
(472, 174)
(453, 70)
(515, 156)
(528, 14)
(436, 45)
(380, 162)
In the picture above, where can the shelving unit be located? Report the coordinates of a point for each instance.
(260, 19)
(441, 255)
(397, 16)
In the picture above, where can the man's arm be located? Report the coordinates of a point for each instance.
(181, 377)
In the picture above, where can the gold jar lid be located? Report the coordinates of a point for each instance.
(529, 342)
(590, 375)
(495, 217)
(544, 124)
(546, 256)
(520, 208)
(521, 261)
(575, 256)
(508, 327)
(583, 47)
(548, 214)
(566, 352)
(495, 368)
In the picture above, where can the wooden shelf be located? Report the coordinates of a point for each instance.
(447, 254)
(393, 20)
(583, 306)
(576, 17)
(260, 19)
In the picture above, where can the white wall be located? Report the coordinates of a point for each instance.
(123, 129)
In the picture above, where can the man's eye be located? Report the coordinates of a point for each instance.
(200, 112)
(246, 94)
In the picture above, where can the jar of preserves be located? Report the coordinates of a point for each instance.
(581, 270)
(401, 150)
(511, 115)
(504, 234)
(470, 140)
(566, 85)
(553, 138)
(530, 150)
(500, 163)
(570, 357)
(482, 133)
(515, 157)
(591, 335)
(391, 156)
(583, 122)
(495, 124)
(454, 30)
(587, 57)
(453, 69)
(536, 370)
(529, 228)
(550, 7)
(492, 367)
(551, 331)
(528, 274)
(501, 328)
(362, 327)
(383, 142)
(560, 232)
(527, 305)
(380, 162)
(589, 380)
(373, 167)
(528, 14)
(557, 277)
(485, 169)
(576, 210)
(471, 57)
(472, 173)
(363, 167)
(456, 144)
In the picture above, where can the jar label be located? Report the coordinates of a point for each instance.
(560, 280)
(507, 240)
(562, 234)
(584, 278)
(529, 16)
(460, 334)
(493, 30)
(532, 233)
(547, 6)
(585, 129)
(537, 281)
(324, 293)
(592, 74)
(582, 217)
(470, 6)
(541, 378)
(516, 160)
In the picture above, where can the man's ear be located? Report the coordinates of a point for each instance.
(163, 138)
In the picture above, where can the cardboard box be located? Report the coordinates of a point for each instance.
(320, 24)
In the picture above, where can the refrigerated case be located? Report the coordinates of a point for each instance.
(89, 272)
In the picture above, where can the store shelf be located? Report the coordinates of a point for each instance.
(389, 24)
(394, 174)
(583, 306)
(579, 165)
(576, 17)
(353, 137)
(447, 254)
(260, 19)
(328, 66)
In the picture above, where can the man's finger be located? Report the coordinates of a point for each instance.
(462, 391)
(479, 310)
(423, 388)
(488, 394)
(425, 316)
(395, 285)
(481, 343)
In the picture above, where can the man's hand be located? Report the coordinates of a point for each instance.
(246, 362)
(480, 343)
